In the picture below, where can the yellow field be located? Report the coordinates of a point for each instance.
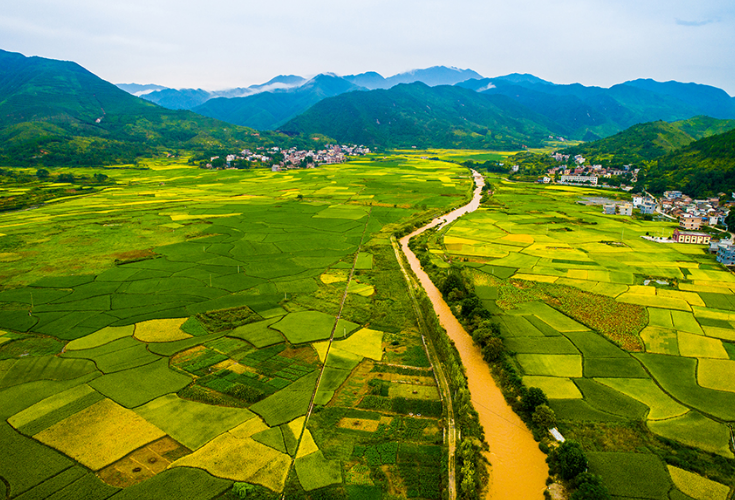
(100, 337)
(101, 434)
(716, 374)
(161, 330)
(554, 387)
(697, 486)
(334, 276)
(647, 392)
(308, 445)
(364, 343)
(235, 455)
(698, 346)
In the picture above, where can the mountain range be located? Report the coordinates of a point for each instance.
(58, 113)
(571, 111)
(55, 113)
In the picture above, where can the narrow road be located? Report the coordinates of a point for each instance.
(442, 383)
(329, 347)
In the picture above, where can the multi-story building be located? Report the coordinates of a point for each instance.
(691, 237)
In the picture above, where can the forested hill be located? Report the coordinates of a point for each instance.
(648, 141)
(418, 115)
(55, 113)
(703, 168)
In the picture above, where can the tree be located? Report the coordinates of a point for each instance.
(730, 220)
(492, 349)
(42, 173)
(589, 491)
(532, 398)
(544, 417)
(569, 460)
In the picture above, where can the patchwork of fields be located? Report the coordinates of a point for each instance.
(620, 332)
(163, 338)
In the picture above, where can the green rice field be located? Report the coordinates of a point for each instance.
(164, 337)
(585, 320)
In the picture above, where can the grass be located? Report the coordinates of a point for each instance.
(611, 401)
(53, 409)
(677, 376)
(637, 475)
(177, 483)
(26, 370)
(100, 434)
(547, 345)
(117, 355)
(696, 430)
(137, 386)
(309, 326)
(24, 462)
(554, 365)
(191, 424)
(696, 486)
(314, 471)
(287, 404)
(613, 367)
(645, 390)
(101, 337)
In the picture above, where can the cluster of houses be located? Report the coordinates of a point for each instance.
(282, 159)
(293, 158)
(591, 175)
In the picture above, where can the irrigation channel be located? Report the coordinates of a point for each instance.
(519, 468)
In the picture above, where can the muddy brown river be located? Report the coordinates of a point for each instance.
(519, 468)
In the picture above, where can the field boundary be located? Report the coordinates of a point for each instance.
(329, 346)
(439, 377)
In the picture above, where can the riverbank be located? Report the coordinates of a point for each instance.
(518, 468)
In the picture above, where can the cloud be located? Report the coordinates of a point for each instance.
(681, 22)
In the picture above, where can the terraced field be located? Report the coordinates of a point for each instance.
(163, 338)
(621, 333)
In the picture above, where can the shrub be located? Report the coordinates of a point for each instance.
(544, 417)
(532, 398)
(568, 460)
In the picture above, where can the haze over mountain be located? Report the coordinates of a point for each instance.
(268, 110)
(191, 98)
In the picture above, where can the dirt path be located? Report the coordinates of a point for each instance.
(441, 379)
(329, 347)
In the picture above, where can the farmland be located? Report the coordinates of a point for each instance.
(631, 340)
(163, 337)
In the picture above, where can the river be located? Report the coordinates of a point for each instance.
(519, 468)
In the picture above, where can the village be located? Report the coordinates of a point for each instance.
(284, 159)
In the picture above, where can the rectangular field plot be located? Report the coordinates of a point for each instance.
(519, 326)
(685, 322)
(631, 475)
(554, 365)
(541, 345)
(594, 345)
(626, 367)
(677, 376)
(699, 346)
(718, 374)
(191, 424)
(654, 301)
(101, 434)
(647, 392)
(694, 429)
(554, 387)
(696, 486)
(660, 317)
(660, 340)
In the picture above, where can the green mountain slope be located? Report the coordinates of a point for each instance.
(648, 141)
(267, 110)
(703, 168)
(418, 115)
(57, 113)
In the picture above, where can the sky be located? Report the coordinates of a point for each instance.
(218, 44)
